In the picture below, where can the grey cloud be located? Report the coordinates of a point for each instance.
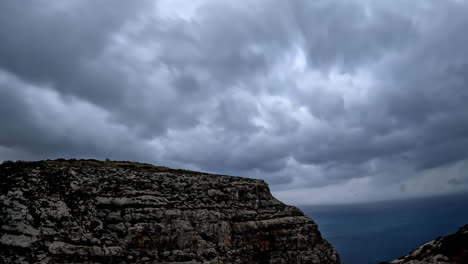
(233, 114)
(220, 91)
(418, 114)
(457, 181)
(186, 84)
(40, 128)
(52, 45)
(346, 34)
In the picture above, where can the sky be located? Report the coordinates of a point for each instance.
(327, 101)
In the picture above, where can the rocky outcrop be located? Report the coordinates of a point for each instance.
(86, 211)
(452, 249)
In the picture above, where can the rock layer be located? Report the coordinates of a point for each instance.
(87, 211)
(452, 249)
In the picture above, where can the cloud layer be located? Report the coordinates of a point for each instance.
(328, 101)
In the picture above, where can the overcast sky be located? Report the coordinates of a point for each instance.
(327, 101)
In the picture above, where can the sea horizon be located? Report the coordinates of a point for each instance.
(383, 231)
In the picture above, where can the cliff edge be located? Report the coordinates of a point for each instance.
(451, 249)
(88, 211)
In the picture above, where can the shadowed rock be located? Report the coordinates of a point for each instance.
(87, 211)
(451, 249)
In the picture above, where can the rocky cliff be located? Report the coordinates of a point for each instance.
(87, 211)
(452, 249)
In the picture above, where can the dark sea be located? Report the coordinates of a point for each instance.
(375, 232)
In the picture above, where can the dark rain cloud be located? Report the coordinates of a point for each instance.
(300, 93)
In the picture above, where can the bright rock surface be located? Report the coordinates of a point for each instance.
(120, 212)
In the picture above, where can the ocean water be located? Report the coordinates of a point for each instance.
(375, 232)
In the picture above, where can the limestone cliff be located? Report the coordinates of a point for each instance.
(87, 211)
(452, 249)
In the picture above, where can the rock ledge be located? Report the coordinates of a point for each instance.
(88, 211)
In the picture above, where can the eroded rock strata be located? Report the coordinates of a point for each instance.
(451, 249)
(119, 212)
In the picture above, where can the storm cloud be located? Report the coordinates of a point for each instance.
(328, 101)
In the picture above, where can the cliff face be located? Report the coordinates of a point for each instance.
(452, 249)
(119, 212)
